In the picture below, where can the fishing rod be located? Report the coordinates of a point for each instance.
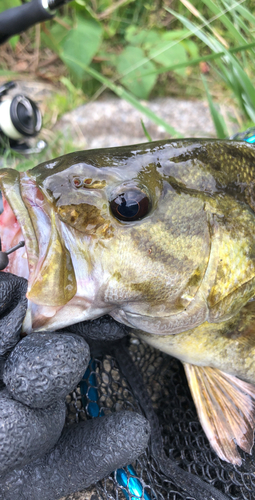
(20, 117)
(14, 21)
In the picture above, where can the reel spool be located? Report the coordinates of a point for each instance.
(20, 120)
(20, 117)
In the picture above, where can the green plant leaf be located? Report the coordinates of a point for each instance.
(133, 79)
(83, 41)
(13, 41)
(9, 4)
(225, 20)
(191, 47)
(169, 52)
(175, 34)
(138, 37)
(210, 57)
(84, 8)
(195, 30)
(245, 13)
(230, 68)
(55, 36)
(218, 119)
(146, 133)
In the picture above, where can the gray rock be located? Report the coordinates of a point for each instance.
(113, 122)
(26, 434)
(45, 367)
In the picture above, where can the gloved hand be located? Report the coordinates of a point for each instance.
(38, 459)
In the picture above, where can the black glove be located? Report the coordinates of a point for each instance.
(13, 306)
(35, 462)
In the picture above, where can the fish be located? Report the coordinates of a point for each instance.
(161, 236)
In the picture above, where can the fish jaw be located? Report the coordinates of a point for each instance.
(61, 290)
(25, 218)
(87, 302)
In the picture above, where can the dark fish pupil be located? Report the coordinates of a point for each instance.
(128, 209)
(130, 205)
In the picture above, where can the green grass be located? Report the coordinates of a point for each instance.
(219, 33)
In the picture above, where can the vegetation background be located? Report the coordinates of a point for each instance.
(139, 49)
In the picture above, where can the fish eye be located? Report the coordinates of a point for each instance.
(130, 205)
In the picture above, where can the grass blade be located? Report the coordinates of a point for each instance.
(245, 13)
(194, 29)
(197, 14)
(218, 119)
(146, 133)
(210, 57)
(247, 88)
(225, 21)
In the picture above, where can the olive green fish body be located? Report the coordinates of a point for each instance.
(162, 237)
(228, 346)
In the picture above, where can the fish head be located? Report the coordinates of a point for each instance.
(125, 231)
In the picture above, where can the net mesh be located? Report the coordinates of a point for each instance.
(104, 390)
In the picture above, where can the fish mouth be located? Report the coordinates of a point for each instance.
(16, 225)
(44, 261)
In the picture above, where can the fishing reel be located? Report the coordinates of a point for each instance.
(20, 118)
(20, 121)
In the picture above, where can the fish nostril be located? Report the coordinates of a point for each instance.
(77, 182)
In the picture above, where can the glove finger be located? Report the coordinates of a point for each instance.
(13, 306)
(103, 329)
(45, 367)
(85, 453)
(26, 434)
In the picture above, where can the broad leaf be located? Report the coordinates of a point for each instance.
(132, 64)
(82, 42)
(167, 53)
(136, 36)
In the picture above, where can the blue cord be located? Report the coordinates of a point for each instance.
(251, 140)
(89, 396)
(247, 136)
(132, 484)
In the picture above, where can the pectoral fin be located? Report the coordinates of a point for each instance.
(226, 409)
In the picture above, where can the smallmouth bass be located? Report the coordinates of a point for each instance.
(161, 237)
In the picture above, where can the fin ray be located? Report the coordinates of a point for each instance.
(226, 408)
